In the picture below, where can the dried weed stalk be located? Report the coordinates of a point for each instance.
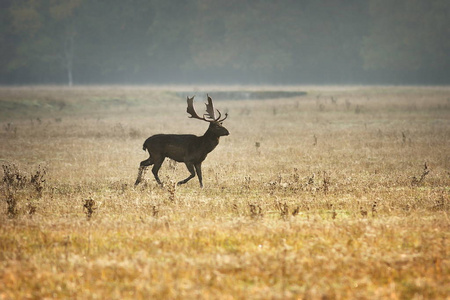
(417, 181)
(10, 128)
(374, 208)
(363, 211)
(326, 182)
(89, 207)
(17, 185)
(296, 211)
(440, 204)
(172, 188)
(333, 211)
(255, 211)
(155, 211)
(283, 208)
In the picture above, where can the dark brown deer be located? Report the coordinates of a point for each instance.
(187, 148)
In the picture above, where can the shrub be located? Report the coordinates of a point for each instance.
(17, 187)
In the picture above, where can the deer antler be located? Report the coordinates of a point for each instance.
(209, 111)
(220, 121)
(210, 108)
(191, 110)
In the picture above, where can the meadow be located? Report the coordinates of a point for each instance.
(342, 193)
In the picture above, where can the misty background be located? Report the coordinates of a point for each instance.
(225, 42)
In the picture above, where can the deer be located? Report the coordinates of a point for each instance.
(187, 148)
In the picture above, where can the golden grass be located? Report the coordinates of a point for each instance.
(308, 197)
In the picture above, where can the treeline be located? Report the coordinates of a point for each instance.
(215, 41)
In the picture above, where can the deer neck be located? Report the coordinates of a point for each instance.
(211, 140)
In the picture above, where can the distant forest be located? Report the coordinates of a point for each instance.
(224, 42)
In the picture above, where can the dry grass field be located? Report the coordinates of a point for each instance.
(339, 194)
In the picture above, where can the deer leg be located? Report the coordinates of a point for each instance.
(198, 169)
(156, 168)
(191, 169)
(139, 177)
(144, 164)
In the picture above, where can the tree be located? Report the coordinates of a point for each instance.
(409, 37)
(246, 41)
(250, 37)
(47, 32)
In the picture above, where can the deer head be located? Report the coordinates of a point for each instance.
(215, 123)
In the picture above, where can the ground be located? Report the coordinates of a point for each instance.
(342, 193)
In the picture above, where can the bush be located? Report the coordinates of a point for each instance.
(18, 188)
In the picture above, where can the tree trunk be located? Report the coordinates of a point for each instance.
(68, 57)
